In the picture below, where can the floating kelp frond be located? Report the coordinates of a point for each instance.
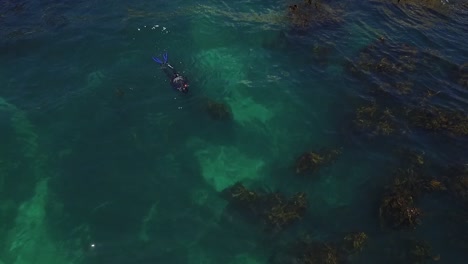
(308, 13)
(456, 179)
(375, 120)
(395, 70)
(438, 119)
(308, 251)
(410, 158)
(420, 252)
(355, 242)
(273, 208)
(383, 57)
(310, 162)
(397, 209)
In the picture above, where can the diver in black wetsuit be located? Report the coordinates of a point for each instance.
(178, 82)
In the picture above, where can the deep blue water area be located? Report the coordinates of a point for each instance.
(102, 161)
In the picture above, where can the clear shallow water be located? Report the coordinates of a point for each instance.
(102, 162)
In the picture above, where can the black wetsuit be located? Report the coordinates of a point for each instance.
(178, 82)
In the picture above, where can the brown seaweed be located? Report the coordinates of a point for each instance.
(438, 119)
(397, 209)
(456, 180)
(218, 110)
(375, 120)
(306, 250)
(313, 12)
(355, 242)
(313, 161)
(272, 208)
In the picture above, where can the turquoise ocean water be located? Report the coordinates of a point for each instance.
(101, 161)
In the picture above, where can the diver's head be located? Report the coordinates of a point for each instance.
(180, 83)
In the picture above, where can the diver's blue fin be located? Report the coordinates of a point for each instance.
(157, 60)
(165, 57)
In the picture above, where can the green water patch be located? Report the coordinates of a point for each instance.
(231, 78)
(228, 79)
(218, 26)
(173, 227)
(210, 36)
(247, 258)
(211, 202)
(21, 163)
(266, 105)
(247, 111)
(337, 187)
(29, 240)
(224, 165)
(201, 255)
(226, 67)
(24, 194)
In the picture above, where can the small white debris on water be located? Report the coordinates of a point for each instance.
(163, 30)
